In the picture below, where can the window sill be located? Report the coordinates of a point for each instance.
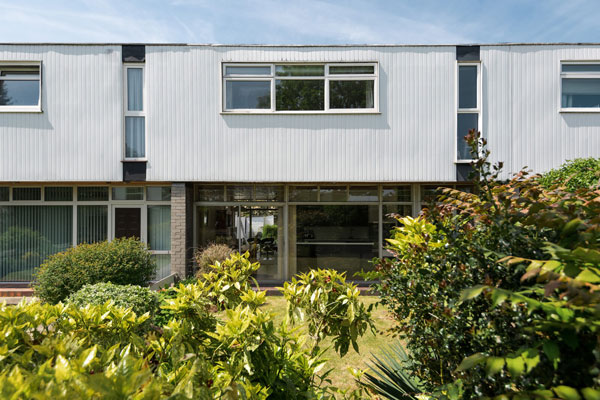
(464, 161)
(20, 109)
(579, 110)
(365, 112)
(134, 160)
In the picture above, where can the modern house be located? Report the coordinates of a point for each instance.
(294, 153)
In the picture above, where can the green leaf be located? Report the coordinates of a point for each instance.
(493, 365)
(589, 275)
(471, 361)
(552, 352)
(566, 393)
(498, 297)
(471, 293)
(590, 394)
(516, 366)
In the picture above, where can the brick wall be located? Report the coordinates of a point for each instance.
(179, 235)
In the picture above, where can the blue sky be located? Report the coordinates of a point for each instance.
(300, 22)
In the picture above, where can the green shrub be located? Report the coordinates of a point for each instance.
(121, 261)
(581, 173)
(269, 231)
(330, 305)
(210, 255)
(457, 244)
(140, 299)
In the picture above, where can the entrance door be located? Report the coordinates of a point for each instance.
(128, 222)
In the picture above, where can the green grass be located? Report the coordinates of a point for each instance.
(369, 343)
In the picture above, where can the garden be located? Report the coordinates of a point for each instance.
(488, 294)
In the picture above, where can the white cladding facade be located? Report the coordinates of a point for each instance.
(78, 136)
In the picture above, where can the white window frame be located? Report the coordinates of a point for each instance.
(24, 109)
(577, 75)
(327, 78)
(127, 113)
(459, 110)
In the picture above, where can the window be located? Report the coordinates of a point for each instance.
(580, 83)
(311, 88)
(468, 107)
(135, 120)
(128, 193)
(20, 87)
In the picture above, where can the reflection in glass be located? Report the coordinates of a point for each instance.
(351, 94)
(268, 193)
(396, 194)
(467, 86)
(299, 70)
(580, 93)
(240, 193)
(92, 193)
(466, 122)
(210, 193)
(581, 68)
(363, 193)
(248, 95)
(333, 193)
(128, 193)
(158, 193)
(351, 69)
(297, 95)
(247, 70)
(303, 193)
(19, 93)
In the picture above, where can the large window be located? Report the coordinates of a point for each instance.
(580, 85)
(468, 107)
(135, 120)
(300, 88)
(20, 87)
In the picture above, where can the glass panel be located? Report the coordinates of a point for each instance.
(467, 86)
(248, 95)
(92, 224)
(466, 122)
(128, 193)
(580, 93)
(158, 193)
(135, 89)
(240, 193)
(261, 234)
(92, 193)
(159, 227)
(390, 213)
(135, 137)
(363, 193)
(333, 193)
(581, 68)
(29, 234)
(20, 72)
(4, 193)
(58, 193)
(248, 70)
(351, 94)
(128, 222)
(344, 237)
(163, 266)
(218, 224)
(297, 95)
(397, 194)
(351, 69)
(210, 193)
(303, 193)
(299, 70)
(20, 193)
(430, 192)
(19, 93)
(268, 193)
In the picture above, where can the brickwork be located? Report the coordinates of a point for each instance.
(179, 236)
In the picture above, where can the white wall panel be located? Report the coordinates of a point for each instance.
(77, 137)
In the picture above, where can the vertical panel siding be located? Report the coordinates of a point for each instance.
(77, 137)
(188, 138)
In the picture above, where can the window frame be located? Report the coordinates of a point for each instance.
(576, 75)
(24, 109)
(128, 113)
(327, 78)
(477, 110)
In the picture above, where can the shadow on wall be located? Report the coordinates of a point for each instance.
(582, 120)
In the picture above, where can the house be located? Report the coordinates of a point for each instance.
(293, 153)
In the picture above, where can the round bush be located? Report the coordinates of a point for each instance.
(576, 174)
(209, 255)
(141, 300)
(124, 261)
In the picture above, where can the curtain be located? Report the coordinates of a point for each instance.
(163, 265)
(159, 227)
(92, 224)
(135, 137)
(29, 234)
(135, 89)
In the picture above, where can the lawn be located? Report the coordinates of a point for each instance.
(369, 343)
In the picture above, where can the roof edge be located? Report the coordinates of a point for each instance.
(298, 45)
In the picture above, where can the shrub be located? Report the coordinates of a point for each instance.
(581, 173)
(210, 255)
(140, 299)
(121, 261)
(331, 305)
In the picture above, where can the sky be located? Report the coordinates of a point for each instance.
(300, 22)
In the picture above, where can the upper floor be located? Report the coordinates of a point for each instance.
(225, 113)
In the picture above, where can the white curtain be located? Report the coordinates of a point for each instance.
(135, 137)
(135, 89)
(92, 224)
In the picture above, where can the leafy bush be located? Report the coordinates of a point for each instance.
(458, 244)
(331, 305)
(269, 231)
(582, 173)
(121, 261)
(140, 299)
(210, 255)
